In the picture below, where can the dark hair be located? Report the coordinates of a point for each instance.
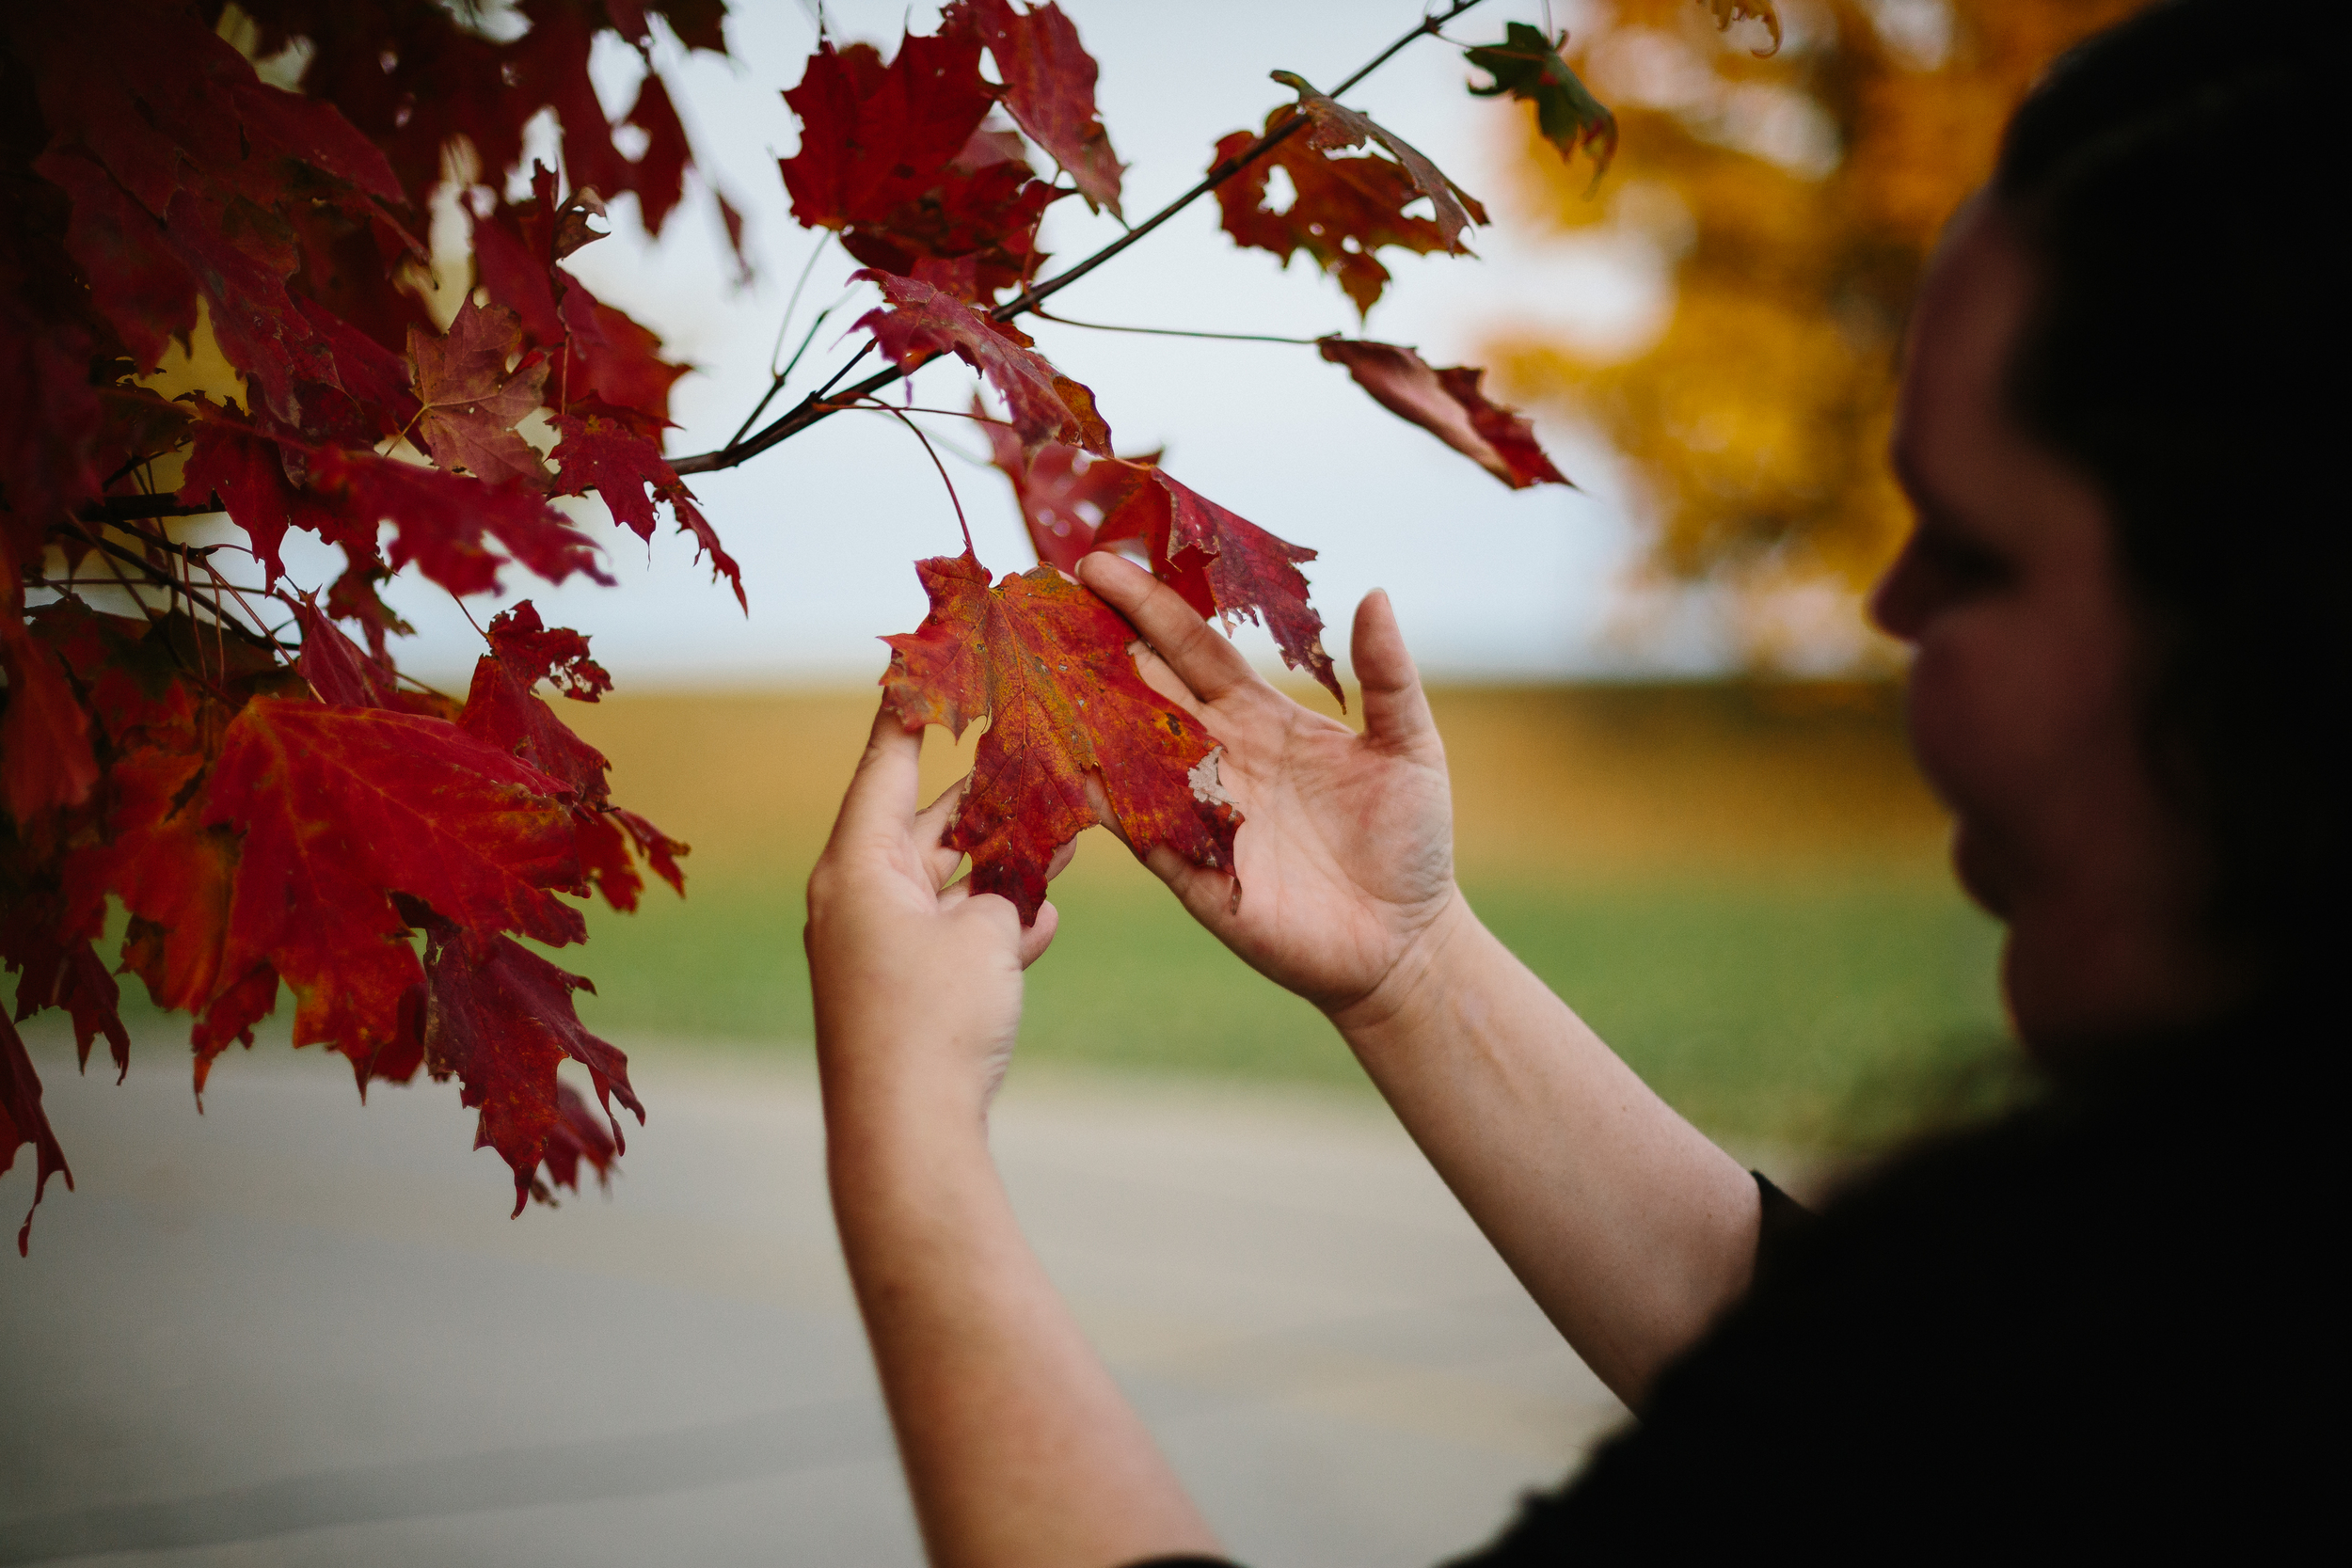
(2173, 179)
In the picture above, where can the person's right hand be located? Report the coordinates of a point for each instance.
(1347, 852)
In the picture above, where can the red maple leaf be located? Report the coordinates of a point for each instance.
(247, 471)
(469, 399)
(342, 674)
(1448, 404)
(1332, 126)
(1075, 738)
(1045, 404)
(897, 159)
(611, 454)
(1049, 88)
(340, 808)
(45, 757)
(875, 136)
(23, 1121)
(1063, 492)
(500, 1018)
(1222, 563)
(502, 710)
(442, 520)
(1343, 210)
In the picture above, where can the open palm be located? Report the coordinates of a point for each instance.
(1345, 857)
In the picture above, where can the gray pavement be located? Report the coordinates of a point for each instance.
(295, 1331)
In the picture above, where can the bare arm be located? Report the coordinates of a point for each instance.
(1629, 1228)
(1018, 1449)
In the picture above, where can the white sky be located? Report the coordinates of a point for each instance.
(1489, 583)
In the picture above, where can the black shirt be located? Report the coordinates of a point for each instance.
(2091, 1330)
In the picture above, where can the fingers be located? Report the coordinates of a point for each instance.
(880, 799)
(1038, 935)
(1206, 662)
(930, 830)
(1211, 896)
(1030, 941)
(1396, 710)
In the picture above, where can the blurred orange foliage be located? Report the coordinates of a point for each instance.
(1796, 196)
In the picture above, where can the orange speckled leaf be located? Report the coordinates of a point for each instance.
(1070, 722)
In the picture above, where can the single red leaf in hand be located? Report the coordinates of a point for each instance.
(1045, 404)
(1342, 211)
(501, 1017)
(1222, 563)
(1225, 564)
(469, 399)
(1074, 737)
(341, 808)
(1049, 87)
(23, 1121)
(1335, 126)
(1448, 404)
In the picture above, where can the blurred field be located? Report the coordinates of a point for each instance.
(1742, 887)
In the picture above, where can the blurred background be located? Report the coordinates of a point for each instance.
(1682, 795)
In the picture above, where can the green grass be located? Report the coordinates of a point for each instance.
(1813, 1011)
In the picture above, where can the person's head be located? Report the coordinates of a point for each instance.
(2127, 587)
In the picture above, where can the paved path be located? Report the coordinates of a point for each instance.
(293, 1331)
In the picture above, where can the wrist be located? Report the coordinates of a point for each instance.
(1416, 983)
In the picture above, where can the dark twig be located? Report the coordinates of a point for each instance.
(817, 405)
(129, 509)
(162, 579)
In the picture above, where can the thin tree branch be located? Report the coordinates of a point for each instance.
(128, 509)
(156, 575)
(1175, 331)
(817, 405)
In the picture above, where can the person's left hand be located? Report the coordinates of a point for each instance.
(916, 983)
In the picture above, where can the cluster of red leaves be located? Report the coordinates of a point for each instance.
(903, 160)
(272, 811)
(900, 158)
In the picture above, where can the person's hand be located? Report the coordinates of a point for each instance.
(917, 984)
(1346, 858)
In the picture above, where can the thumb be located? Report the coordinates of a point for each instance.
(1396, 712)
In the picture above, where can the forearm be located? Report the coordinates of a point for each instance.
(1018, 1447)
(1632, 1231)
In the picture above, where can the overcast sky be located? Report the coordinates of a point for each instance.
(1489, 583)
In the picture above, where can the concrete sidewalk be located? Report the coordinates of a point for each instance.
(295, 1331)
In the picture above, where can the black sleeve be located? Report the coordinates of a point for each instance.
(1784, 1219)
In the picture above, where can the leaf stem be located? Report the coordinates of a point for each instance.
(932, 452)
(815, 407)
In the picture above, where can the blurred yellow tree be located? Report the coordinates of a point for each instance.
(1795, 196)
